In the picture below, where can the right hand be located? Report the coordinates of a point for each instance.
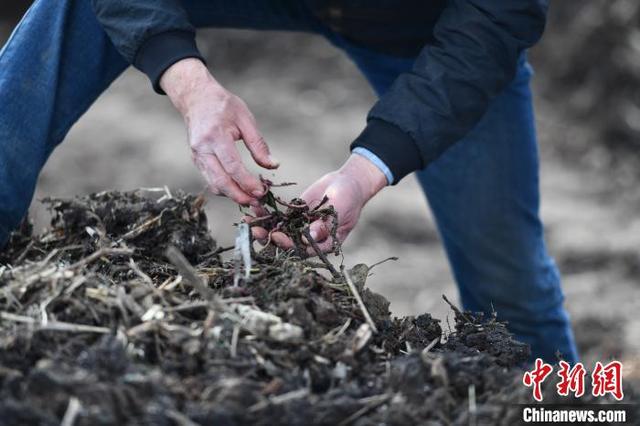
(215, 120)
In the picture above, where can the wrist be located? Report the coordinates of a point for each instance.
(369, 177)
(186, 80)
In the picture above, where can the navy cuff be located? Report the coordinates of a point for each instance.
(393, 146)
(161, 51)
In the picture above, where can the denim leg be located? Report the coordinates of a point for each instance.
(55, 64)
(485, 198)
(484, 193)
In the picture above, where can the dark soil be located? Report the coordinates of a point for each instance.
(98, 327)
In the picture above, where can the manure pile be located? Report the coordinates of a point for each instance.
(125, 313)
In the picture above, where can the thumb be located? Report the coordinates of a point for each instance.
(256, 145)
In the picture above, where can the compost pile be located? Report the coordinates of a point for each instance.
(124, 312)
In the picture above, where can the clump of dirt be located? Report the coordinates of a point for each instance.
(295, 219)
(125, 312)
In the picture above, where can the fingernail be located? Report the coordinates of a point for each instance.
(257, 193)
(314, 235)
(273, 160)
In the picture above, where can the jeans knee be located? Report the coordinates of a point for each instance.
(11, 216)
(515, 284)
(17, 185)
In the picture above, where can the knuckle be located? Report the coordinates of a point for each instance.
(209, 140)
(225, 101)
(260, 144)
(234, 167)
(220, 181)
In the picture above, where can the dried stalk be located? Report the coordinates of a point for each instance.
(73, 409)
(361, 304)
(320, 254)
(55, 325)
(371, 403)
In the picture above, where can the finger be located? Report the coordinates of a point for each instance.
(231, 162)
(200, 162)
(325, 247)
(219, 181)
(282, 240)
(259, 233)
(248, 218)
(259, 210)
(256, 144)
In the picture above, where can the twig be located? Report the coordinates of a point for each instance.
(280, 399)
(363, 308)
(290, 205)
(373, 402)
(97, 255)
(473, 408)
(74, 328)
(143, 227)
(320, 254)
(75, 285)
(188, 306)
(181, 419)
(315, 265)
(73, 409)
(24, 253)
(430, 346)
(189, 273)
(343, 328)
(324, 201)
(170, 283)
(393, 258)
(221, 250)
(55, 325)
(456, 310)
(134, 267)
(234, 341)
(281, 185)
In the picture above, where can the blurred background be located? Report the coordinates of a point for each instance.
(310, 102)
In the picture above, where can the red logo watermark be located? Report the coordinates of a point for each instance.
(605, 379)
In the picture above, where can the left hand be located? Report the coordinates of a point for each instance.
(348, 190)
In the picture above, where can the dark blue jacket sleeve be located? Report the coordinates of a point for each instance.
(150, 34)
(474, 57)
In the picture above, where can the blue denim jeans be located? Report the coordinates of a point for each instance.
(483, 191)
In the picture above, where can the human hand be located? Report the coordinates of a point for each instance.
(347, 190)
(215, 120)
